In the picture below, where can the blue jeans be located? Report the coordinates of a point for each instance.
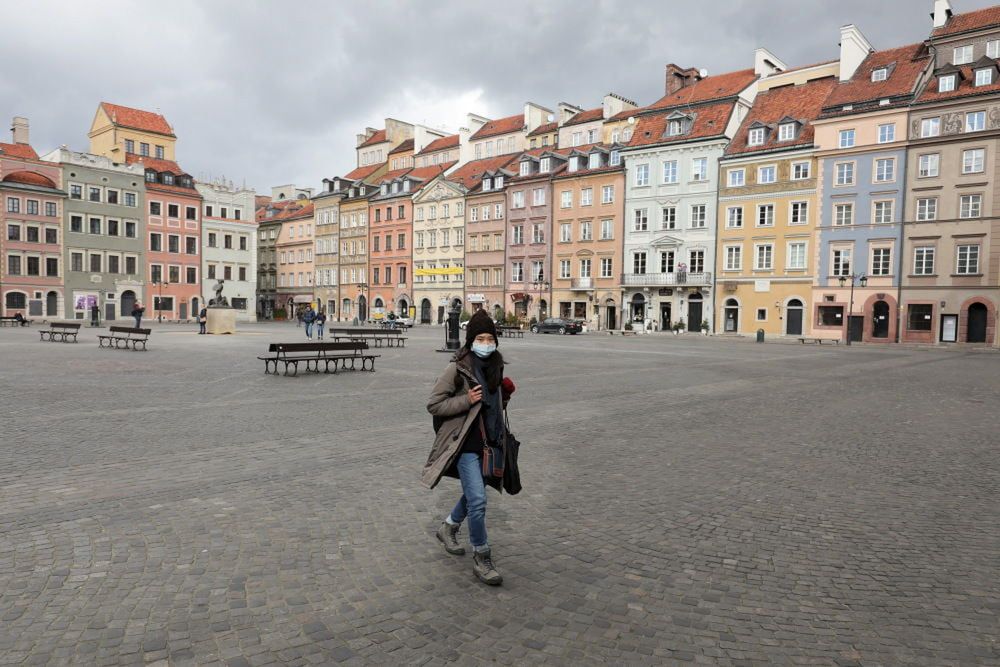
(309, 329)
(473, 501)
(319, 330)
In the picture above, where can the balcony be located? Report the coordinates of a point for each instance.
(582, 284)
(676, 279)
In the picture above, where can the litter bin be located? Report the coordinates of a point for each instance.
(760, 335)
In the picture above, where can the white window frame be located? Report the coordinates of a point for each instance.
(927, 209)
(876, 204)
(946, 83)
(975, 121)
(790, 255)
(924, 164)
(641, 175)
(770, 169)
(761, 210)
(786, 132)
(962, 55)
(884, 170)
(984, 77)
(804, 205)
(734, 257)
(878, 267)
(699, 169)
(736, 177)
(971, 259)
(970, 206)
(838, 182)
(924, 260)
(846, 138)
(886, 133)
(840, 220)
(757, 264)
(801, 170)
(671, 172)
(930, 127)
(755, 136)
(880, 74)
(993, 48)
(973, 161)
(734, 217)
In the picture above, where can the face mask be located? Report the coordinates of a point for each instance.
(483, 350)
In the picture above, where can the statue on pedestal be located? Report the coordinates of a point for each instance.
(219, 301)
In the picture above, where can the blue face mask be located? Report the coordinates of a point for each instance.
(483, 350)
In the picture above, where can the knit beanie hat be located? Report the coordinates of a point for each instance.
(480, 323)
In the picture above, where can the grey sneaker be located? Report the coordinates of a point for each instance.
(448, 534)
(482, 566)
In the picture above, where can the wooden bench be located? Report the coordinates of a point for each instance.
(62, 329)
(12, 321)
(377, 337)
(511, 332)
(819, 341)
(122, 337)
(343, 356)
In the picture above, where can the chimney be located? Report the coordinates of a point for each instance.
(854, 48)
(677, 78)
(19, 130)
(942, 12)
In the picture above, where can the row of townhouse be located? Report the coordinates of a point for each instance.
(120, 224)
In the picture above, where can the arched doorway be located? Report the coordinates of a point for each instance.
(127, 303)
(404, 308)
(51, 304)
(695, 304)
(610, 314)
(195, 311)
(880, 319)
(793, 318)
(976, 328)
(731, 316)
(637, 313)
(362, 308)
(425, 311)
(543, 310)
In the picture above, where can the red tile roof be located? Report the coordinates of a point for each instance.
(470, 174)
(966, 87)
(376, 138)
(137, 119)
(586, 116)
(426, 174)
(155, 163)
(289, 209)
(709, 120)
(261, 200)
(362, 173)
(624, 115)
(29, 178)
(802, 103)
(393, 174)
(403, 147)
(444, 143)
(500, 126)
(969, 21)
(710, 88)
(24, 151)
(544, 129)
(907, 63)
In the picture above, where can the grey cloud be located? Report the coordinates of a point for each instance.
(274, 93)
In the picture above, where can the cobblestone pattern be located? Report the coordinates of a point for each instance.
(687, 500)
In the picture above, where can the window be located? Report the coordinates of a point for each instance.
(923, 260)
(765, 215)
(670, 171)
(918, 317)
(699, 169)
(585, 266)
(975, 121)
(545, 164)
(800, 171)
(641, 220)
(155, 208)
(993, 48)
(606, 267)
(586, 231)
(13, 265)
(564, 268)
(517, 234)
(243, 243)
(616, 157)
(538, 233)
(845, 173)
(843, 214)
(882, 211)
(191, 245)
(518, 199)
(32, 234)
(639, 262)
(946, 83)
(129, 146)
(607, 194)
(159, 152)
(96, 262)
(538, 197)
(927, 209)
(786, 131)
(930, 127)
(831, 316)
(734, 258)
(737, 177)
(697, 261)
(967, 262)
(846, 139)
(666, 261)
(211, 271)
(928, 165)
(566, 199)
(32, 207)
(756, 137)
(962, 55)
(497, 211)
(76, 261)
(880, 74)
(13, 232)
(607, 231)
(885, 170)
(881, 258)
(51, 235)
(112, 196)
(173, 210)
(972, 161)
(970, 206)
(401, 240)
(191, 275)
(799, 213)
(796, 255)
(642, 174)
(212, 242)
(668, 217)
(113, 228)
(586, 197)
(75, 191)
(767, 174)
(698, 215)
(173, 243)
(842, 262)
(13, 205)
(130, 229)
(144, 149)
(95, 225)
(130, 200)
(156, 242)
(517, 272)
(565, 232)
(734, 217)
(76, 223)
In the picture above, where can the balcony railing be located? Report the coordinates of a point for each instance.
(582, 283)
(667, 279)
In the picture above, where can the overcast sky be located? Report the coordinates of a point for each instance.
(275, 92)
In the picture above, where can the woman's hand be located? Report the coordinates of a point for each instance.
(475, 394)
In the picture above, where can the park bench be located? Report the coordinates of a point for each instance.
(511, 332)
(122, 337)
(343, 356)
(12, 321)
(819, 341)
(61, 329)
(377, 337)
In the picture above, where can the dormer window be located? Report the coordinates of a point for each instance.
(151, 177)
(984, 77)
(546, 164)
(756, 137)
(525, 168)
(350, 193)
(406, 186)
(616, 158)
(946, 84)
(674, 128)
(574, 163)
(168, 179)
(594, 162)
(336, 186)
(385, 188)
(880, 74)
(786, 132)
(395, 187)
(498, 181)
(487, 184)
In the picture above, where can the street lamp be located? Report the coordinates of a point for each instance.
(856, 278)
(539, 284)
(159, 303)
(361, 288)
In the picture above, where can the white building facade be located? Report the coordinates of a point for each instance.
(229, 246)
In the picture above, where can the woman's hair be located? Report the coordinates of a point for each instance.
(494, 366)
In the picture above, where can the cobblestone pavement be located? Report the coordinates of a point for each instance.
(687, 500)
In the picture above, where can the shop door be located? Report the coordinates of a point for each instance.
(880, 320)
(976, 332)
(694, 316)
(856, 328)
(665, 316)
(793, 325)
(612, 317)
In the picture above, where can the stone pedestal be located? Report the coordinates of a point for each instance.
(221, 320)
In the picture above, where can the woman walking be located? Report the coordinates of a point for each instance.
(320, 322)
(468, 403)
(137, 310)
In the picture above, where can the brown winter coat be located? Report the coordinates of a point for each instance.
(449, 401)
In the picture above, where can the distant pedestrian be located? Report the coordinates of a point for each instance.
(298, 317)
(320, 323)
(468, 403)
(308, 318)
(137, 310)
(202, 319)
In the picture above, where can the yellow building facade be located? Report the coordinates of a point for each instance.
(118, 131)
